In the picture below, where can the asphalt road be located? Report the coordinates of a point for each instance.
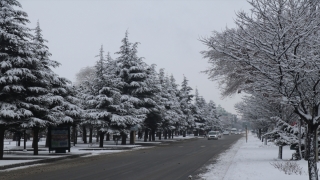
(168, 161)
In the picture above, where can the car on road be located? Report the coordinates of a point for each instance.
(233, 130)
(226, 133)
(213, 135)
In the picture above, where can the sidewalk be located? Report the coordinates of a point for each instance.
(15, 157)
(252, 161)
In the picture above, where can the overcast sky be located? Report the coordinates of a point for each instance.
(168, 30)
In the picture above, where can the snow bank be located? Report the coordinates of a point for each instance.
(251, 161)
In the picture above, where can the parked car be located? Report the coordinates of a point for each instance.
(226, 133)
(213, 135)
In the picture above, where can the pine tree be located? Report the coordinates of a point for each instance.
(166, 111)
(283, 134)
(97, 98)
(174, 104)
(27, 83)
(212, 118)
(198, 111)
(15, 55)
(185, 97)
(135, 90)
(51, 93)
(152, 101)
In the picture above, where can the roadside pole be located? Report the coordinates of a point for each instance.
(246, 134)
(317, 148)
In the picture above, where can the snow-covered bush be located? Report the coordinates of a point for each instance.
(288, 167)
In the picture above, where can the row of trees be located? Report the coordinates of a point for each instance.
(125, 94)
(122, 94)
(273, 54)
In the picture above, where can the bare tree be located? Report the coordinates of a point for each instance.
(275, 50)
(86, 74)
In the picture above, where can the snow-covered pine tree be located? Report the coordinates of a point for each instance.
(185, 98)
(212, 118)
(167, 112)
(177, 115)
(284, 134)
(198, 112)
(97, 96)
(151, 97)
(134, 93)
(26, 78)
(84, 86)
(15, 56)
(103, 96)
(113, 85)
(50, 97)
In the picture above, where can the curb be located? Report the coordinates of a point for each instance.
(42, 161)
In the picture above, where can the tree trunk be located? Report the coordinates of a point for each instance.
(35, 140)
(172, 135)
(280, 152)
(132, 136)
(47, 140)
(74, 136)
(184, 133)
(300, 136)
(108, 137)
(84, 134)
(90, 134)
(97, 136)
(25, 140)
(259, 134)
(153, 135)
(160, 135)
(145, 135)
(101, 134)
(265, 140)
(165, 134)
(150, 135)
(124, 138)
(169, 134)
(19, 138)
(2, 129)
(306, 146)
(312, 162)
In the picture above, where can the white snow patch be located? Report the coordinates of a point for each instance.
(251, 161)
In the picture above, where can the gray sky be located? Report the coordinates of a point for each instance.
(168, 30)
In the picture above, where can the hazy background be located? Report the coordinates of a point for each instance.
(168, 30)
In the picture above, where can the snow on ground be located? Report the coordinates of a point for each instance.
(17, 157)
(251, 161)
(7, 162)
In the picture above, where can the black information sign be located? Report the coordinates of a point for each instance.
(59, 139)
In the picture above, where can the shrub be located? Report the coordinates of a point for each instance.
(288, 167)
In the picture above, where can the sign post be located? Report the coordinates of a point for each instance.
(246, 133)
